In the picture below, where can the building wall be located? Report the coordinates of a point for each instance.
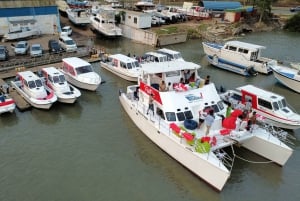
(137, 20)
(139, 35)
(46, 19)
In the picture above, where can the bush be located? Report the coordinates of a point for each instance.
(293, 23)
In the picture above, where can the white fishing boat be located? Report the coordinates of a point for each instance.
(271, 106)
(172, 124)
(290, 77)
(239, 57)
(123, 66)
(7, 104)
(62, 6)
(80, 73)
(171, 54)
(104, 22)
(31, 88)
(79, 16)
(55, 80)
(23, 32)
(145, 5)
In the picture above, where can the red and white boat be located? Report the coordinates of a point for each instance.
(272, 107)
(173, 123)
(31, 88)
(7, 104)
(80, 73)
(55, 80)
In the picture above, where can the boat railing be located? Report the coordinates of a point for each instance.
(282, 135)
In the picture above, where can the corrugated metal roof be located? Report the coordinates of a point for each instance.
(26, 3)
(28, 11)
(221, 5)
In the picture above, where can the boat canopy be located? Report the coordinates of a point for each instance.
(249, 46)
(261, 93)
(162, 67)
(76, 62)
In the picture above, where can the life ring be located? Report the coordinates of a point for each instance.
(215, 60)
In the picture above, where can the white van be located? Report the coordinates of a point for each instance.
(67, 43)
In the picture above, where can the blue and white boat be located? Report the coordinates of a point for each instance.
(239, 57)
(289, 77)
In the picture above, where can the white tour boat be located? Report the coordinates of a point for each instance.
(55, 80)
(123, 66)
(31, 88)
(239, 57)
(272, 107)
(79, 16)
(80, 73)
(104, 22)
(290, 77)
(145, 5)
(173, 123)
(171, 54)
(154, 57)
(7, 104)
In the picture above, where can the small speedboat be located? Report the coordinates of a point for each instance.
(7, 104)
(32, 89)
(55, 80)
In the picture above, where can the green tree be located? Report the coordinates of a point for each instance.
(293, 23)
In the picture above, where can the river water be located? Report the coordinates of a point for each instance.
(92, 151)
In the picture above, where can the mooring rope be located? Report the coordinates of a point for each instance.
(249, 161)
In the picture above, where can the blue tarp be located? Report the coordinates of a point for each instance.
(221, 5)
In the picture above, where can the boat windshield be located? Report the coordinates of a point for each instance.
(84, 69)
(133, 65)
(279, 104)
(38, 83)
(59, 79)
(177, 56)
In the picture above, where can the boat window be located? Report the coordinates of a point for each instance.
(25, 83)
(188, 114)
(180, 116)
(31, 84)
(129, 66)
(237, 97)
(220, 105)
(170, 116)
(265, 103)
(241, 50)
(172, 73)
(84, 69)
(56, 79)
(275, 106)
(232, 48)
(160, 113)
(50, 78)
(283, 103)
(136, 64)
(38, 83)
(62, 78)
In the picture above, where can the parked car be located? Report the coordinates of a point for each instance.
(4, 55)
(66, 30)
(36, 50)
(67, 43)
(295, 9)
(54, 46)
(21, 48)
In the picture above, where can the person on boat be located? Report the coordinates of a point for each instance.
(181, 81)
(151, 105)
(169, 87)
(136, 93)
(209, 120)
(207, 80)
(162, 86)
(187, 76)
(228, 109)
(238, 122)
(202, 115)
(248, 105)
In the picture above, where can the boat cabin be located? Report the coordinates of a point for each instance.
(53, 75)
(249, 51)
(189, 98)
(31, 84)
(123, 61)
(171, 54)
(76, 66)
(154, 57)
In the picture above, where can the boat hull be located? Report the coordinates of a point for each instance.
(287, 81)
(114, 70)
(276, 151)
(81, 85)
(7, 106)
(212, 174)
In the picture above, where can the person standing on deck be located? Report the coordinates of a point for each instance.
(209, 120)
